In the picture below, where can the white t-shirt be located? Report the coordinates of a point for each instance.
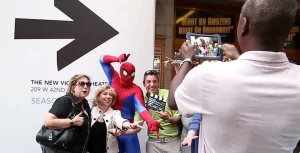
(250, 105)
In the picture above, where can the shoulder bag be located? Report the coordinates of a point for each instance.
(57, 138)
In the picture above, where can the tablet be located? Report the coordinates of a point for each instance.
(206, 46)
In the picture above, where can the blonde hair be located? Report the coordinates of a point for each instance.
(100, 90)
(74, 80)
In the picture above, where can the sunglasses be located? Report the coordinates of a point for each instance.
(82, 83)
(151, 72)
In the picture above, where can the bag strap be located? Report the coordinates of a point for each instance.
(74, 103)
(72, 113)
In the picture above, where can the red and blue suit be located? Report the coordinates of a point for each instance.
(130, 99)
(204, 45)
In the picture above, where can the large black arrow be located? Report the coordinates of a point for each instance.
(88, 30)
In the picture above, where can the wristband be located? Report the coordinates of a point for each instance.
(71, 122)
(186, 60)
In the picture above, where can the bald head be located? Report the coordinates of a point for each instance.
(269, 21)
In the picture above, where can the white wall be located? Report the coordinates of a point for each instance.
(24, 60)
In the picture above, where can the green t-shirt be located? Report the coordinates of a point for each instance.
(169, 129)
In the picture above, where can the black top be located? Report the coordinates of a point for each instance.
(62, 108)
(97, 142)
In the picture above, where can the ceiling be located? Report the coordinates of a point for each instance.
(230, 3)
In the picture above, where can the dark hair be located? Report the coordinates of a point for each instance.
(150, 72)
(270, 20)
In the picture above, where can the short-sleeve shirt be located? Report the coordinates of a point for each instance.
(170, 130)
(250, 105)
(62, 108)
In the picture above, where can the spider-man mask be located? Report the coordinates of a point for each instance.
(127, 73)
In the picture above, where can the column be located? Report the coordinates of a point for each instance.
(164, 23)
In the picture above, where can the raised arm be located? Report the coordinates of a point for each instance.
(139, 105)
(108, 69)
(187, 52)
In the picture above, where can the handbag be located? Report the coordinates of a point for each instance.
(57, 138)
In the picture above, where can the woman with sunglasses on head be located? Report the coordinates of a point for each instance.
(107, 123)
(72, 110)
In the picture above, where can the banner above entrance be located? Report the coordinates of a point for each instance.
(203, 22)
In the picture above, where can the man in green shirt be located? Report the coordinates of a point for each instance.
(169, 141)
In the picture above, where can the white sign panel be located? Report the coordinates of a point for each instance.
(45, 42)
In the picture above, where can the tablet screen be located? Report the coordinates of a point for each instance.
(206, 47)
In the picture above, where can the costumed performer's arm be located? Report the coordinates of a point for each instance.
(108, 69)
(139, 105)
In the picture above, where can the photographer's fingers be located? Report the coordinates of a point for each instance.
(188, 43)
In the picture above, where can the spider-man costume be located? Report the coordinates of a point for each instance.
(203, 44)
(130, 99)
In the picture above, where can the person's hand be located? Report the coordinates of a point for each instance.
(78, 120)
(189, 138)
(163, 115)
(135, 125)
(173, 63)
(123, 58)
(115, 132)
(154, 126)
(230, 51)
(187, 50)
